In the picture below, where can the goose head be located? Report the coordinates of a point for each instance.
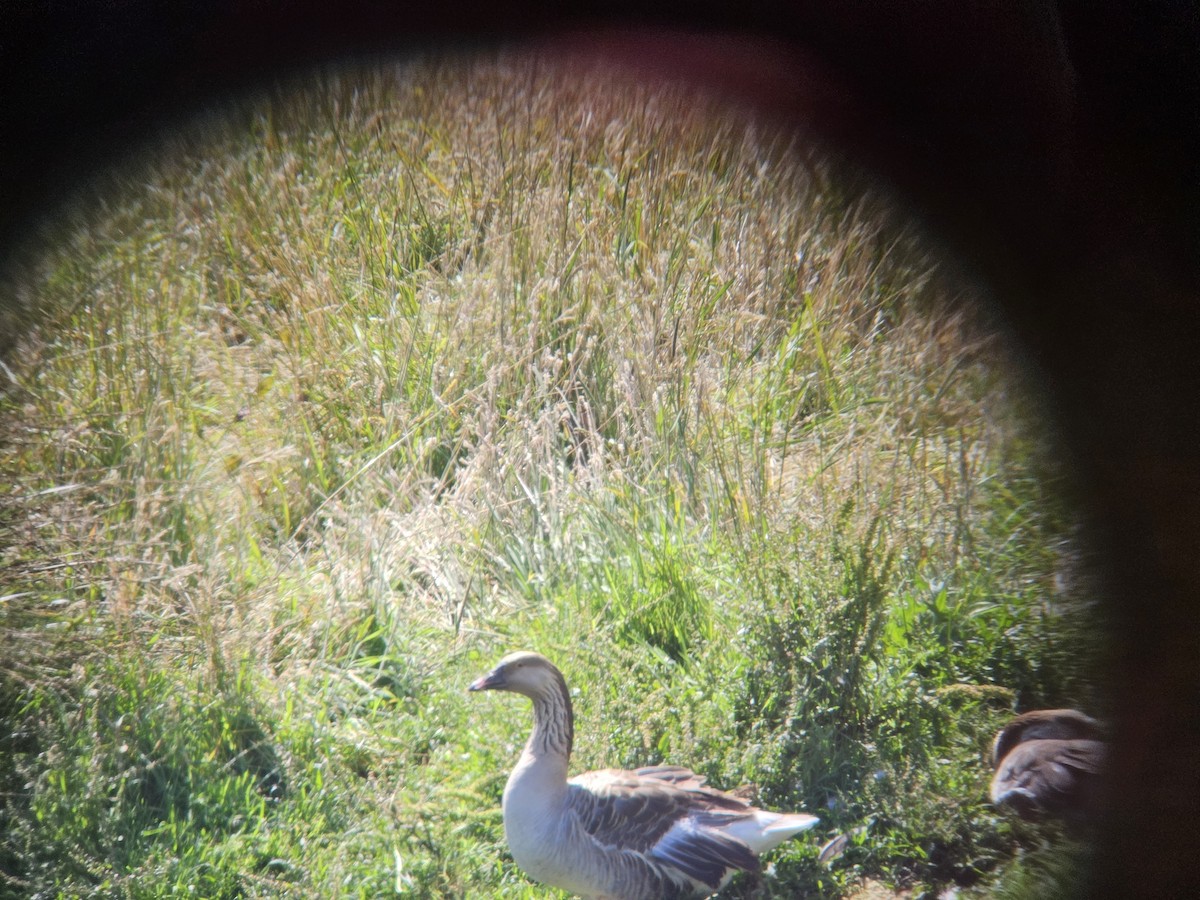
(524, 672)
(535, 677)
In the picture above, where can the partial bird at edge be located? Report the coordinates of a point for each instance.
(1049, 764)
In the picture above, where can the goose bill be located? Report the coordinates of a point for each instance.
(489, 682)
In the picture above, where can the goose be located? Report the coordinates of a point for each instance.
(1049, 763)
(655, 833)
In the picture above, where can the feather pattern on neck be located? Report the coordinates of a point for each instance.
(553, 721)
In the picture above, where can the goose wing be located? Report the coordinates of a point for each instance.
(1045, 724)
(1047, 774)
(666, 816)
(676, 775)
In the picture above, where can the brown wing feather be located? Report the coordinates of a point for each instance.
(1048, 775)
(676, 775)
(1045, 724)
(636, 811)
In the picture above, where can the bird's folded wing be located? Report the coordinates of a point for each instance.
(1048, 771)
(664, 815)
(1084, 756)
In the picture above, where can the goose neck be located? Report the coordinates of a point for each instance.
(553, 722)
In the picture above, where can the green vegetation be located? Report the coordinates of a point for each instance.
(329, 401)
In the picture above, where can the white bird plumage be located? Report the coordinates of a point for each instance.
(657, 832)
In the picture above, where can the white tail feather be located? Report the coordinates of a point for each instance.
(766, 830)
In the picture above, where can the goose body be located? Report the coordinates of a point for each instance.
(656, 833)
(1049, 763)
